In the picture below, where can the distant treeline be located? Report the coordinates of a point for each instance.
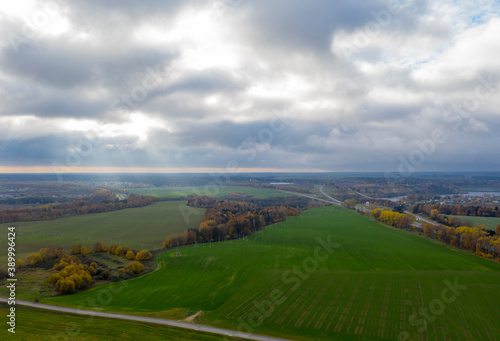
(305, 187)
(79, 207)
(33, 200)
(300, 203)
(387, 187)
(228, 220)
(382, 202)
(464, 210)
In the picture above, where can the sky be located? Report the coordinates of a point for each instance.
(249, 85)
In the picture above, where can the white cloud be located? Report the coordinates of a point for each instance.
(473, 51)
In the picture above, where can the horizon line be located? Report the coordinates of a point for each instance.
(146, 170)
(189, 170)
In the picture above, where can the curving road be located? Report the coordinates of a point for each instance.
(422, 218)
(331, 201)
(171, 323)
(338, 202)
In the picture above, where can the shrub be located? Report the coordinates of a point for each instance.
(54, 278)
(135, 267)
(130, 255)
(35, 259)
(167, 244)
(76, 249)
(144, 255)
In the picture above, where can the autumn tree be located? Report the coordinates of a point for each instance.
(167, 244)
(350, 203)
(376, 213)
(135, 267)
(100, 247)
(429, 229)
(76, 249)
(119, 251)
(497, 230)
(130, 255)
(144, 255)
(66, 286)
(72, 278)
(54, 278)
(111, 250)
(35, 259)
(45, 253)
(84, 251)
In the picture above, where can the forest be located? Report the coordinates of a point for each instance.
(102, 201)
(226, 220)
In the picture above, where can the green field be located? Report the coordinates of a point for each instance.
(489, 222)
(38, 324)
(366, 289)
(210, 190)
(139, 228)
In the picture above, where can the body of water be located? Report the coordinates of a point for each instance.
(395, 199)
(482, 193)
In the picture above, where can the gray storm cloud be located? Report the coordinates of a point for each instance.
(350, 85)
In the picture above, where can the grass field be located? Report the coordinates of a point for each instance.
(38, 324)
(139, 228)
(211, 190)
(367, 289)
(31, 283)
(489, 222)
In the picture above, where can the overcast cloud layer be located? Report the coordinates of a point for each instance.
(283, 84)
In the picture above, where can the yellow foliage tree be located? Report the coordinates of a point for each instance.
(76, 249)
(35, 259)
(54, 278)
(144, 255)
(119, 251)
(167, 244)
(350, 203)
(130, 255)
(135, 267)
(112, 249)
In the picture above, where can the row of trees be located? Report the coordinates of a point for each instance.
(463, 210)
(117, 250)
(228, 220)
(79, 207)
(43, 256)
(298, 186)
(478, 239)
(395, 219)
